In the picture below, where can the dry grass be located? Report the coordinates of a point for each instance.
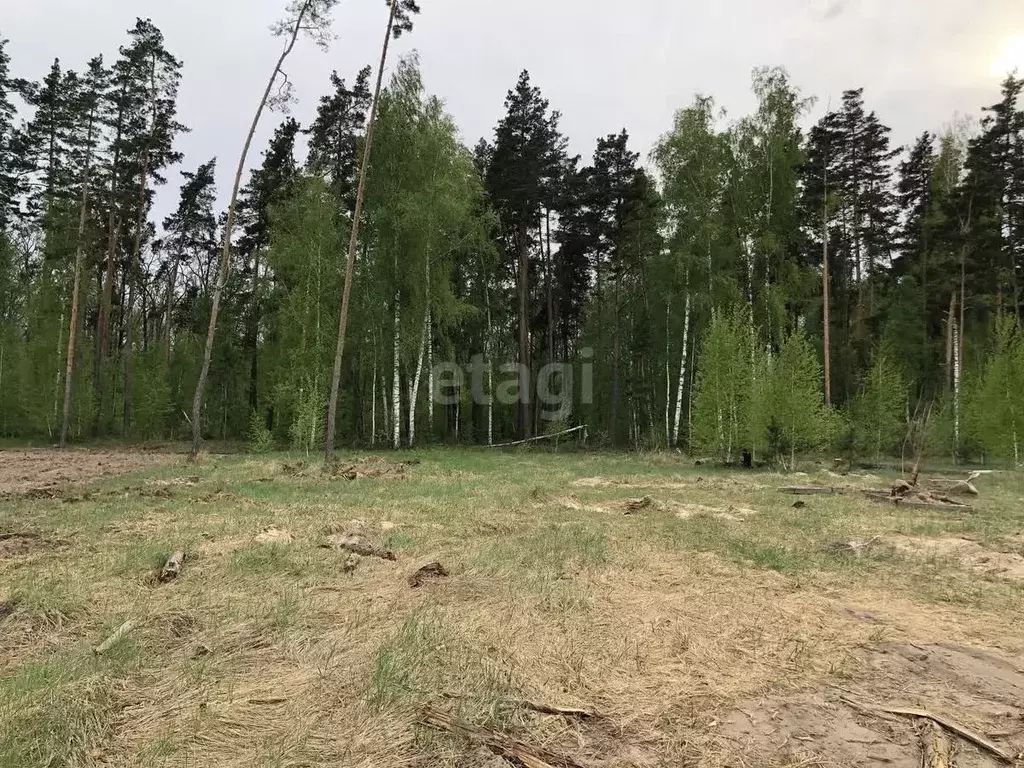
(663, 596)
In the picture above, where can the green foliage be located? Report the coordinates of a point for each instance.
(879, 413)
(721, 419)
(307, 428)
(798, 418)
(996, 407)
(261, 439)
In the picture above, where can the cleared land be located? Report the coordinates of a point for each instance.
(693, 617)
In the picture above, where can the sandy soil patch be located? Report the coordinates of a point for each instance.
(971, 555)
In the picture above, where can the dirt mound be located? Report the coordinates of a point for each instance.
(971, 556)
(40, 473)
(977, 689)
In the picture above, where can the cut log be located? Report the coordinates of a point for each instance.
(172, 568)
(115, 638)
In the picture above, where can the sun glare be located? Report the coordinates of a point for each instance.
(1010, 56)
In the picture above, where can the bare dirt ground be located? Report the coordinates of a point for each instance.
(465, 609)
(39, 471)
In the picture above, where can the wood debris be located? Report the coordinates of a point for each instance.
(852, 547)
(172, 568)
(115, 638)
(519, 752)
(358, 545)
(810, 490)
(936, 748)
(950, 725)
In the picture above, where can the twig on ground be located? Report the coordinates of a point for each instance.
(115, 638)
(950, 725)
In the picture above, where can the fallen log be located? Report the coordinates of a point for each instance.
(810, 490)
(512, 749)
(172, 568)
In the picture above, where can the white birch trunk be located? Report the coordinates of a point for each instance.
(396, 394)
(430, 375)
(682, 370)
(414, 385)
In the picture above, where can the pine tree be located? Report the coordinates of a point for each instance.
(88, 110)
(189, 234)
(9, 183)
(525, 146)
(334, 134)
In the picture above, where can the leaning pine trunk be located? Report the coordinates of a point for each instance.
(350, 265)
(225, 257)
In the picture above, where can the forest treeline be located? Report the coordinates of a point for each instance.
(765, 282)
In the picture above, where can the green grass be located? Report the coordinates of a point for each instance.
(547, 599)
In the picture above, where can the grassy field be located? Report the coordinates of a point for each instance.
(701, 617)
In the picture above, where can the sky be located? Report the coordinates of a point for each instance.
(604, 64)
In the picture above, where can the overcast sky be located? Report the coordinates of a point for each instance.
(605, 64)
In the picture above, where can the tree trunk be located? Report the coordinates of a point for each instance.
(69, 375)
(525, 387)
(396, 396)
(373, 396)
(172, 281)
(225, 258)
(132, 274)
(682, 367)
(254, 335)
(825, 308)
(414, 385)
(490, 366)
(549, 274)
(339, 354)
